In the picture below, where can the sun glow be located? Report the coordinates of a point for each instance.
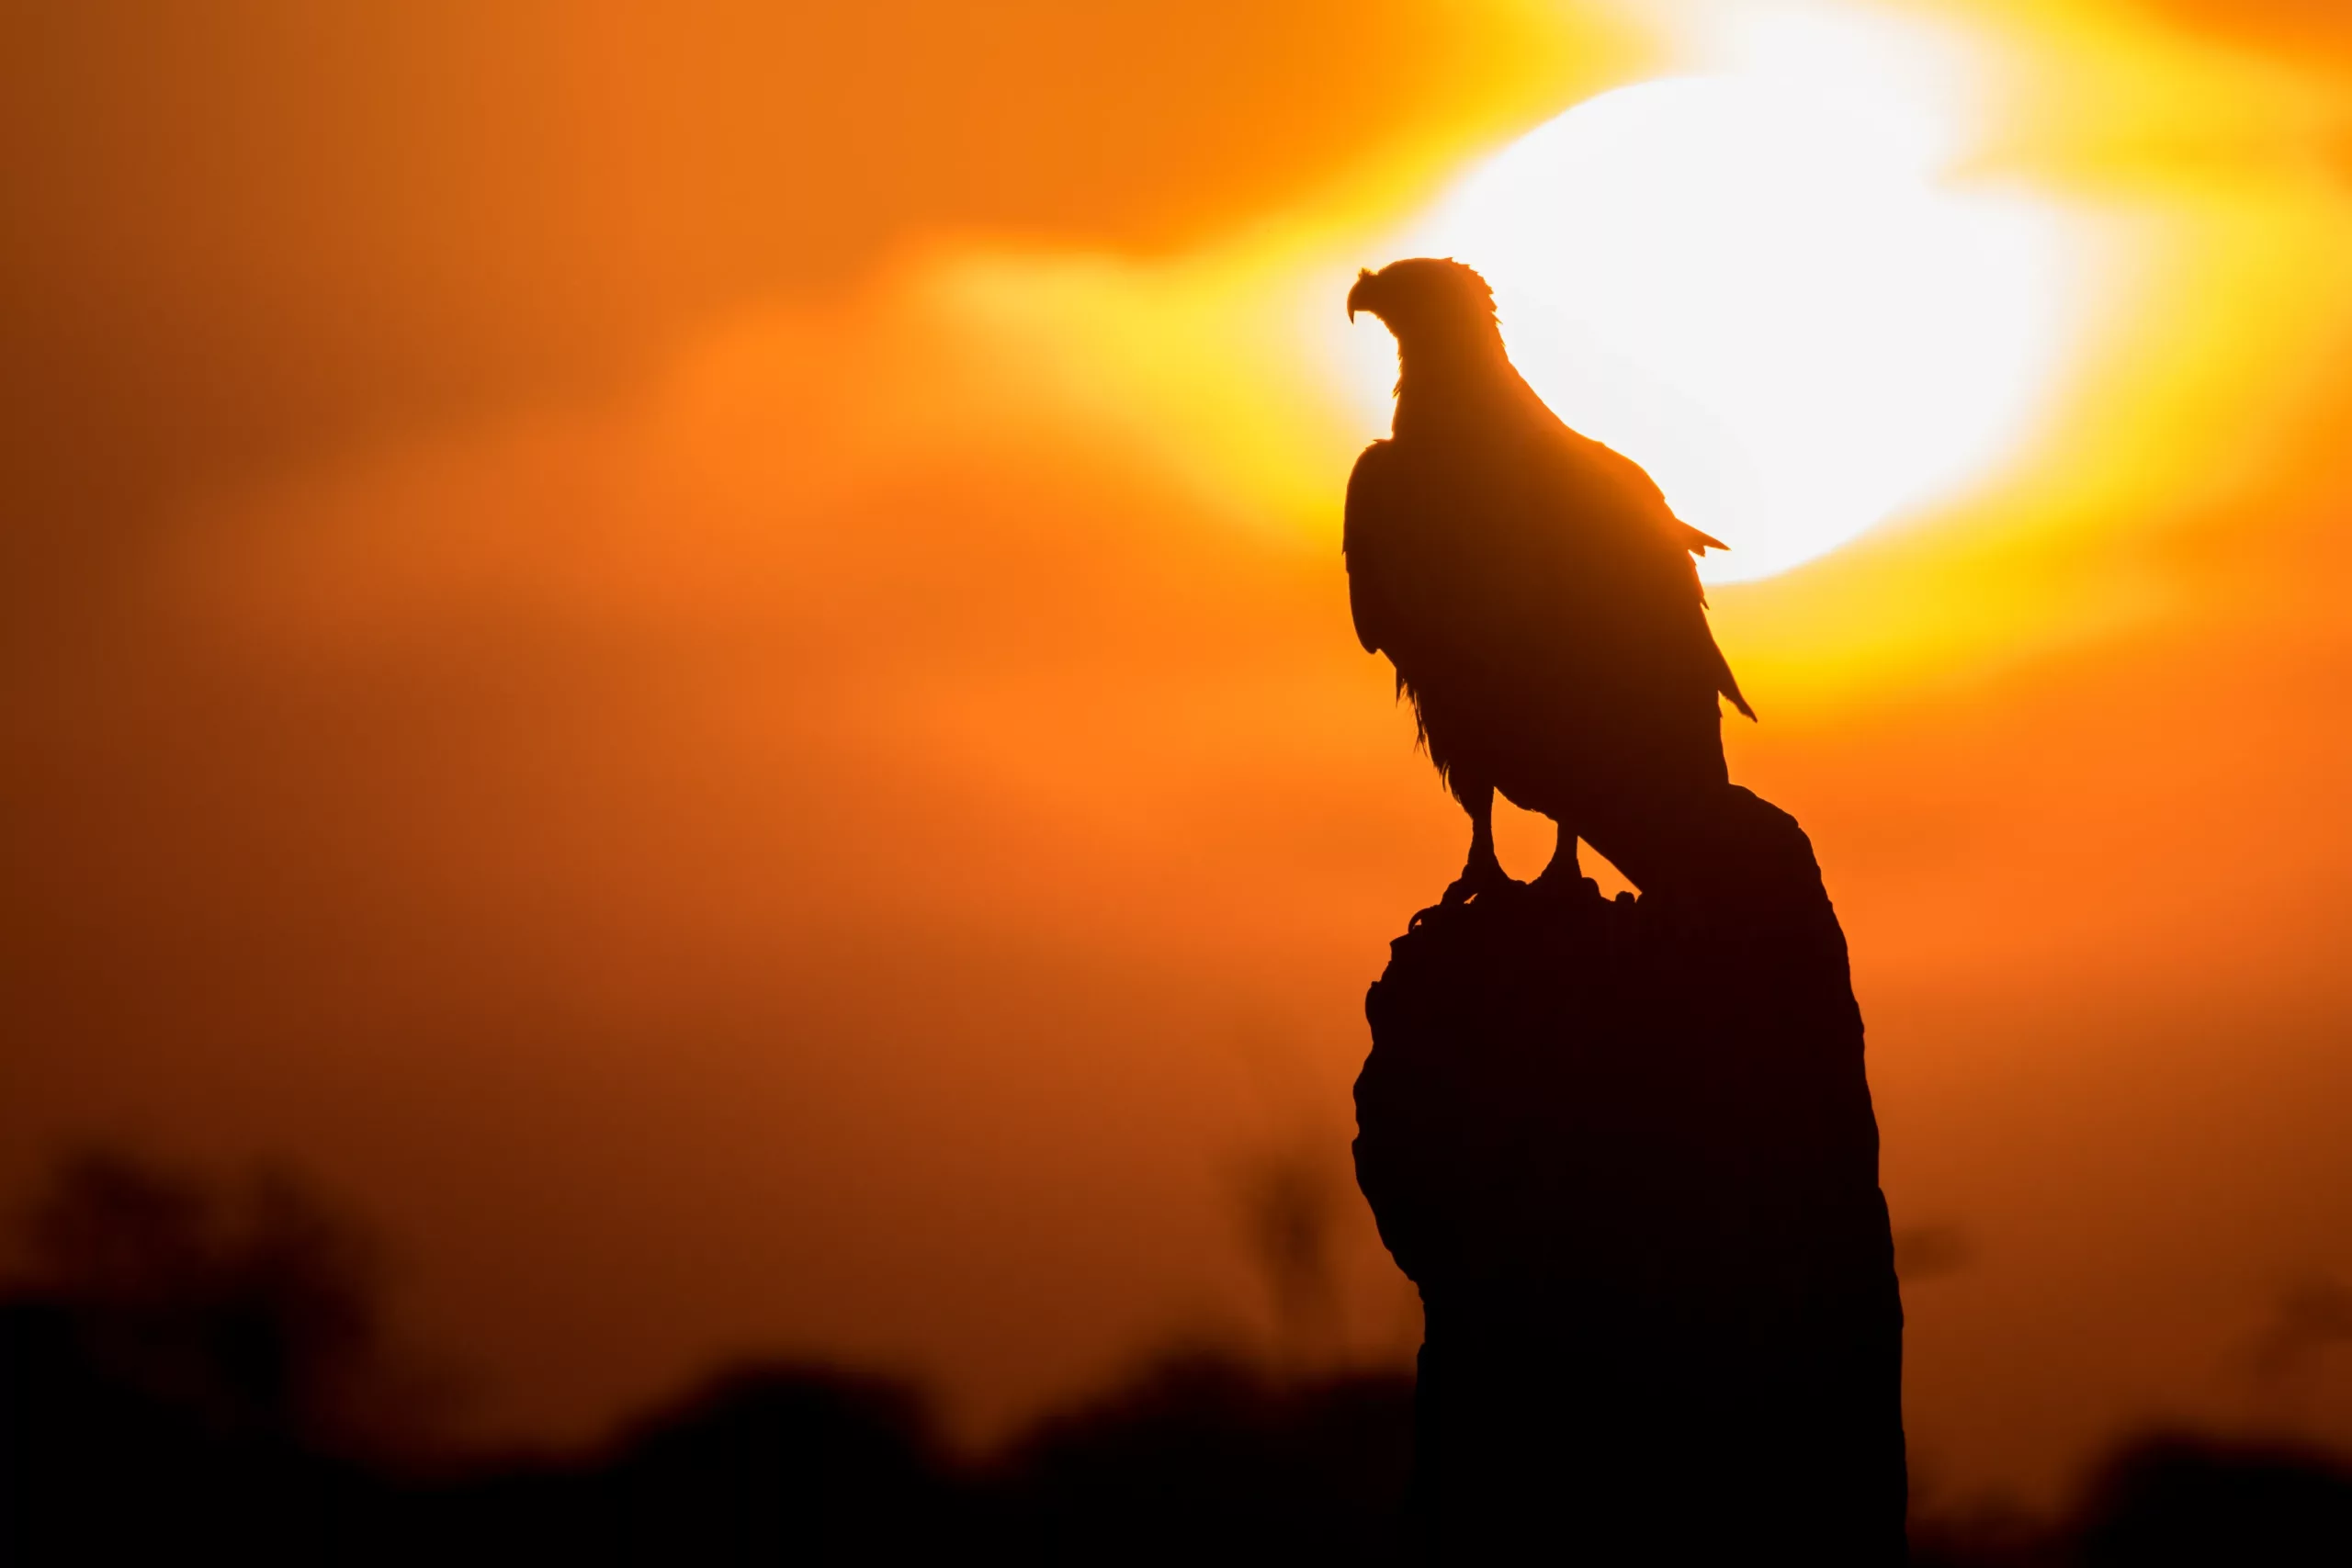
(1767, 286)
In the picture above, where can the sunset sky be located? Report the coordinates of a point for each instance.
(696, 653)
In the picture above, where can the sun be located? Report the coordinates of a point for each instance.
(1766, 288)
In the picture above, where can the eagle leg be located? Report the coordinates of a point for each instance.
(1483, 873)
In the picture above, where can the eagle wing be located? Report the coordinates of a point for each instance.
(1597, 569)
(1367, 535)
(1611, 502)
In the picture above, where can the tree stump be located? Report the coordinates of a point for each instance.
(1626, 1150)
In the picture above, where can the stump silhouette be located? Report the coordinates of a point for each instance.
(1626, 1150)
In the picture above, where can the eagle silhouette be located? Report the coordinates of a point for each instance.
(1536, 594)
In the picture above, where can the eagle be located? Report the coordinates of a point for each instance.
(1538, 598)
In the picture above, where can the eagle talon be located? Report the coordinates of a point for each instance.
(1564, 877)
(1564, 885)
(1474, 880)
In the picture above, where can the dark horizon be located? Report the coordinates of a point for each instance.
(194, 1361)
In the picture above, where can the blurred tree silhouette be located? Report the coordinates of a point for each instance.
(192, 1369)
(1289, 1202)
(1201, 1456)
(252, 1309)
(2309, 1317)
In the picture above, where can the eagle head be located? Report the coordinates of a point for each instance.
(1424, 296)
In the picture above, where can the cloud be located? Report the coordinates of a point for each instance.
(246, 232)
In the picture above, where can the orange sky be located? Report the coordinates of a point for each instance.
(703, 661)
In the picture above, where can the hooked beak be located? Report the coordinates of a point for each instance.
(1359, 297)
